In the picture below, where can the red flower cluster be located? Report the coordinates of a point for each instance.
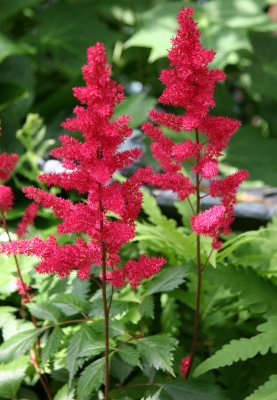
(6, 198)
(189, 84)
(184, 366)
(107, 216)
(27, 219)
(7, 164)
(23, 290)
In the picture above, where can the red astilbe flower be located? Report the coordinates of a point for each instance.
(88, 168)
(7, 164)
(27, 219)
(184, 366)
(189, 85)
(6, 198)
(23, 290)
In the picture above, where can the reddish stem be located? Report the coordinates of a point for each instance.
(43, 378)
(199, 273)
(106, 306)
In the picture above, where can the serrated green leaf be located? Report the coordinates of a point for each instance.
(18, 345)
(267, 391)
(119, 368)
(45, 311)
(255, 291)
(168, 279)
(91, 379)
(146, 307)
(243, 349)
(116, 328)
(53, 344)
(129, 354)
(117, 307)
(158, 351)
(65, 393)
(163, 235)
(77, 344)
(151, 208)
(70, 304)
(11, 376)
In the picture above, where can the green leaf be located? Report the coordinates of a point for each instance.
(249, 147)
(77, 344)
(119, 368)
(168, 279)
(137, 106)
(53, 344)
(66, 30)
(91, 379)
(11, 376)
(70, 304)
(18, 345)
(192, 390)
(46, 311)
(156, 396)
(256, 292)
(146, 307)
(10, 8)
(158, 351)
(238, 15)
(117, 307)
(7, 47)
(116, 328)
(65, 393)
(156, 36)
(129, 354)
(7, 283)
(243, 349)
(171, 390)
(267, 391)
(163, 235)
(17, 91)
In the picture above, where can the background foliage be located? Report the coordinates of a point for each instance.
(42, 46)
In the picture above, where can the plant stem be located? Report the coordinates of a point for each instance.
(106, 307)
(42, 377)
(199, 273)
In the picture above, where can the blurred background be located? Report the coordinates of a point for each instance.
(43, 46)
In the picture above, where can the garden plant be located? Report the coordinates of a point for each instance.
(105, 297)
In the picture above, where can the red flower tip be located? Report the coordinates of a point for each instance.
(184, 366)
(6, 198)
(7, 164)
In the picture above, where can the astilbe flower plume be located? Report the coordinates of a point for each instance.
(6, 198)
(27, 219)
(89, 166)
(189, 85)
(7, 164)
